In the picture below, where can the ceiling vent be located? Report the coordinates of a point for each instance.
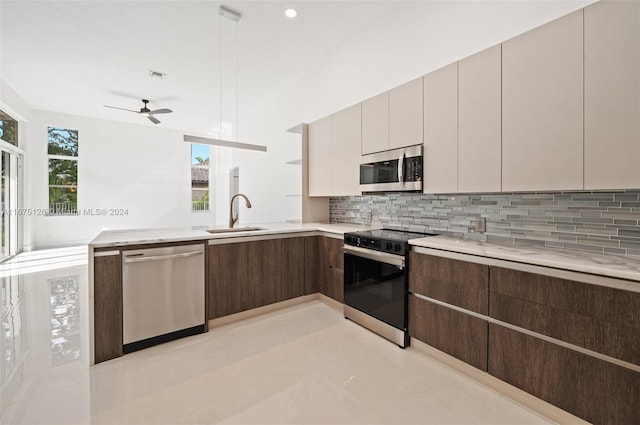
(157, 74)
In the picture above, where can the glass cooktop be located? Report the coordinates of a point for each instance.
(392, 235)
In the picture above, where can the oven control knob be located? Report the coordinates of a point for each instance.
(398, 247)
(388, 246)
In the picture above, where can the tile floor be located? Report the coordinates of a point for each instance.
(302, 364)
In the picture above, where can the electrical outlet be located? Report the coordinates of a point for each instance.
(368, 218)
(481, 224)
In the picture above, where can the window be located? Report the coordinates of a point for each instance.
(63, 171)
(10, 162)
(200, 177)
(8, 129)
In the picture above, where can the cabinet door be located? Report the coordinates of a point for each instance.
(441, 130)
(228, 280)
(406, 114)
(542, 102)
(454, 282)
(375, 124)
(107, 313)
(293, 261)
(312, 264)
(480, 122)
(320, 160)
(332, 268)
(346, 145)
(243, 276)
(602, 319)
(458, 334)
(612, 95)
(264, 261)
(593, 389)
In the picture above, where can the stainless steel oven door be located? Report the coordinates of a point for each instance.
(375, 283)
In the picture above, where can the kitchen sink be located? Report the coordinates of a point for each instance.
(235, 230)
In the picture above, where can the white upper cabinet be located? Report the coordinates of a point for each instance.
(612, 95)
(542, 107)
(346, 143)
(375, 124)
(480, 121)
(334, 154)
(406, 114)
(441, 130)
(320, 157)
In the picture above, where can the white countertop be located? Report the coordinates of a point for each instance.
(580, 261)
(615, 266)
(112, 238)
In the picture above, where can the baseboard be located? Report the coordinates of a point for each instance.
(336, 305)
(517, 395)
(236, 317)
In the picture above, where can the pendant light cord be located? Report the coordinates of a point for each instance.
(237, 65)
(220, 79)
(237, 79)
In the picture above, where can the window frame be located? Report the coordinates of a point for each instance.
(49, 157)
(4, 116)
(191, 188)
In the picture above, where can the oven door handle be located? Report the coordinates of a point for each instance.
(383, 257)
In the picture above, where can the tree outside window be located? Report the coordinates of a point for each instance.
(62, 150)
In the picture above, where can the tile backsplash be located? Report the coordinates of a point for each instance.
(604, 222)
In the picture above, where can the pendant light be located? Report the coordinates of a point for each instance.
(231, 15)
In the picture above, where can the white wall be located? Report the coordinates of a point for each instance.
(145, 169)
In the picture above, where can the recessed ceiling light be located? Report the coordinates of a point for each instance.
(291, 13)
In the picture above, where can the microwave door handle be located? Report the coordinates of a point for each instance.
(401, 168)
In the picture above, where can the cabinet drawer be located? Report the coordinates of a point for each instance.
(609, 338)
(593, 389)
(599, 302)
(454, 282)
(458, 334)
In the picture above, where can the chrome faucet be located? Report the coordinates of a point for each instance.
(232, 220)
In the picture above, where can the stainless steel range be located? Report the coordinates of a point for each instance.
(376, 281)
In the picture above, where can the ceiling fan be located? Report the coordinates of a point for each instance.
(146, 111)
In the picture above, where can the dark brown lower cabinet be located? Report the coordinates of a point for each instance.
(246, 275)
(311, 264)
(606, 337)
(455, 282)
(595, 301)
(593, 389)
(324, 267)
(107, 312)
(293, 262)
(456, 333)
(331, 259)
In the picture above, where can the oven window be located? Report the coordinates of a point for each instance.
(375, 288)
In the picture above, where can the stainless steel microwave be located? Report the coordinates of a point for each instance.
(392, 171)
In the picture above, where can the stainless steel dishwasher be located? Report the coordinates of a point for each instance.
(162, 294)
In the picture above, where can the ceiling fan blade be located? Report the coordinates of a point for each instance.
(153, 119)
(122, 109)
(160, 111)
